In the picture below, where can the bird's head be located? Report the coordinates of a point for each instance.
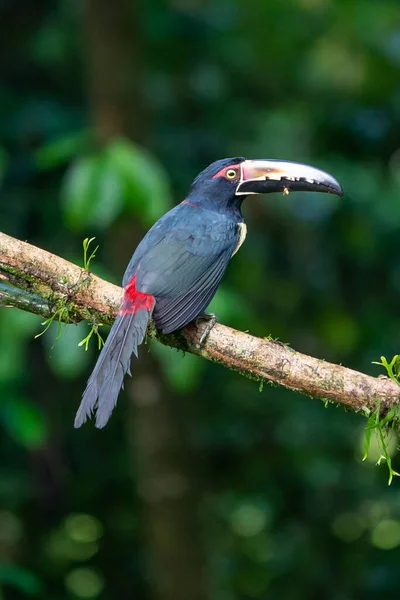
(225, 183)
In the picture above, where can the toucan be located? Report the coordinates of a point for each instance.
(177, 267)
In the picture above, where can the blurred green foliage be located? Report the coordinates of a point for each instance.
(288, 507)
(98, 187)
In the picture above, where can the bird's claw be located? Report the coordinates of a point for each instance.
(211, 320)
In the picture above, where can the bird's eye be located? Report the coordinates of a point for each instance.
(231, 173)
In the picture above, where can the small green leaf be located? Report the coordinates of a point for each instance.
(380, 426)
(61, 316)
(88, 258)
(392, 368)
(367, 442)
(94, 330)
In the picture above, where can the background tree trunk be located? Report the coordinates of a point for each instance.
(161, 454)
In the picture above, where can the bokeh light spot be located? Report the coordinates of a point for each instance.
(84, 583)
(248, 520)
(386, 535)
(83, 528)
(348, 526)
(63, 549)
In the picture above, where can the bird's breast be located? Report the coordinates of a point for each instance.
(242, 229)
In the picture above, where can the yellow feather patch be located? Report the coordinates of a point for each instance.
(242, 236)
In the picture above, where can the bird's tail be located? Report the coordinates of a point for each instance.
(106, 380)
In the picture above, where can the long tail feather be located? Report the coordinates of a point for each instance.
(107, 378)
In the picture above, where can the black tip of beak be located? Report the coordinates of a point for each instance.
(328, 187)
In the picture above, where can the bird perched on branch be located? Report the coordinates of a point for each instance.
(177, 267)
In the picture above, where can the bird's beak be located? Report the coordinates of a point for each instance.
(266, 176)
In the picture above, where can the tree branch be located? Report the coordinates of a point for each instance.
(49, 283)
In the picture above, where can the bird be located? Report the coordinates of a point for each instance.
(178, 265)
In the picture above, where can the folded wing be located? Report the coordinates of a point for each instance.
(181, 264)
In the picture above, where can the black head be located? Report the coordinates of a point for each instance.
(215, 187)
(225, 183)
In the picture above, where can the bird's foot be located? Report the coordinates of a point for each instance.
(211, 320)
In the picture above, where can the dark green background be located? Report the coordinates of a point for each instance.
(201, 487)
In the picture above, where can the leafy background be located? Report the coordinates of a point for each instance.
(201, 486)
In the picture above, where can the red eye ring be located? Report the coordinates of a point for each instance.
(234, 169)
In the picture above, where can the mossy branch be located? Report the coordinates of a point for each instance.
(48, 282)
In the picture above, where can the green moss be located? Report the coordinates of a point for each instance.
(17, 273)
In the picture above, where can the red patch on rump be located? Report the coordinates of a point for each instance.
(133, 300)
